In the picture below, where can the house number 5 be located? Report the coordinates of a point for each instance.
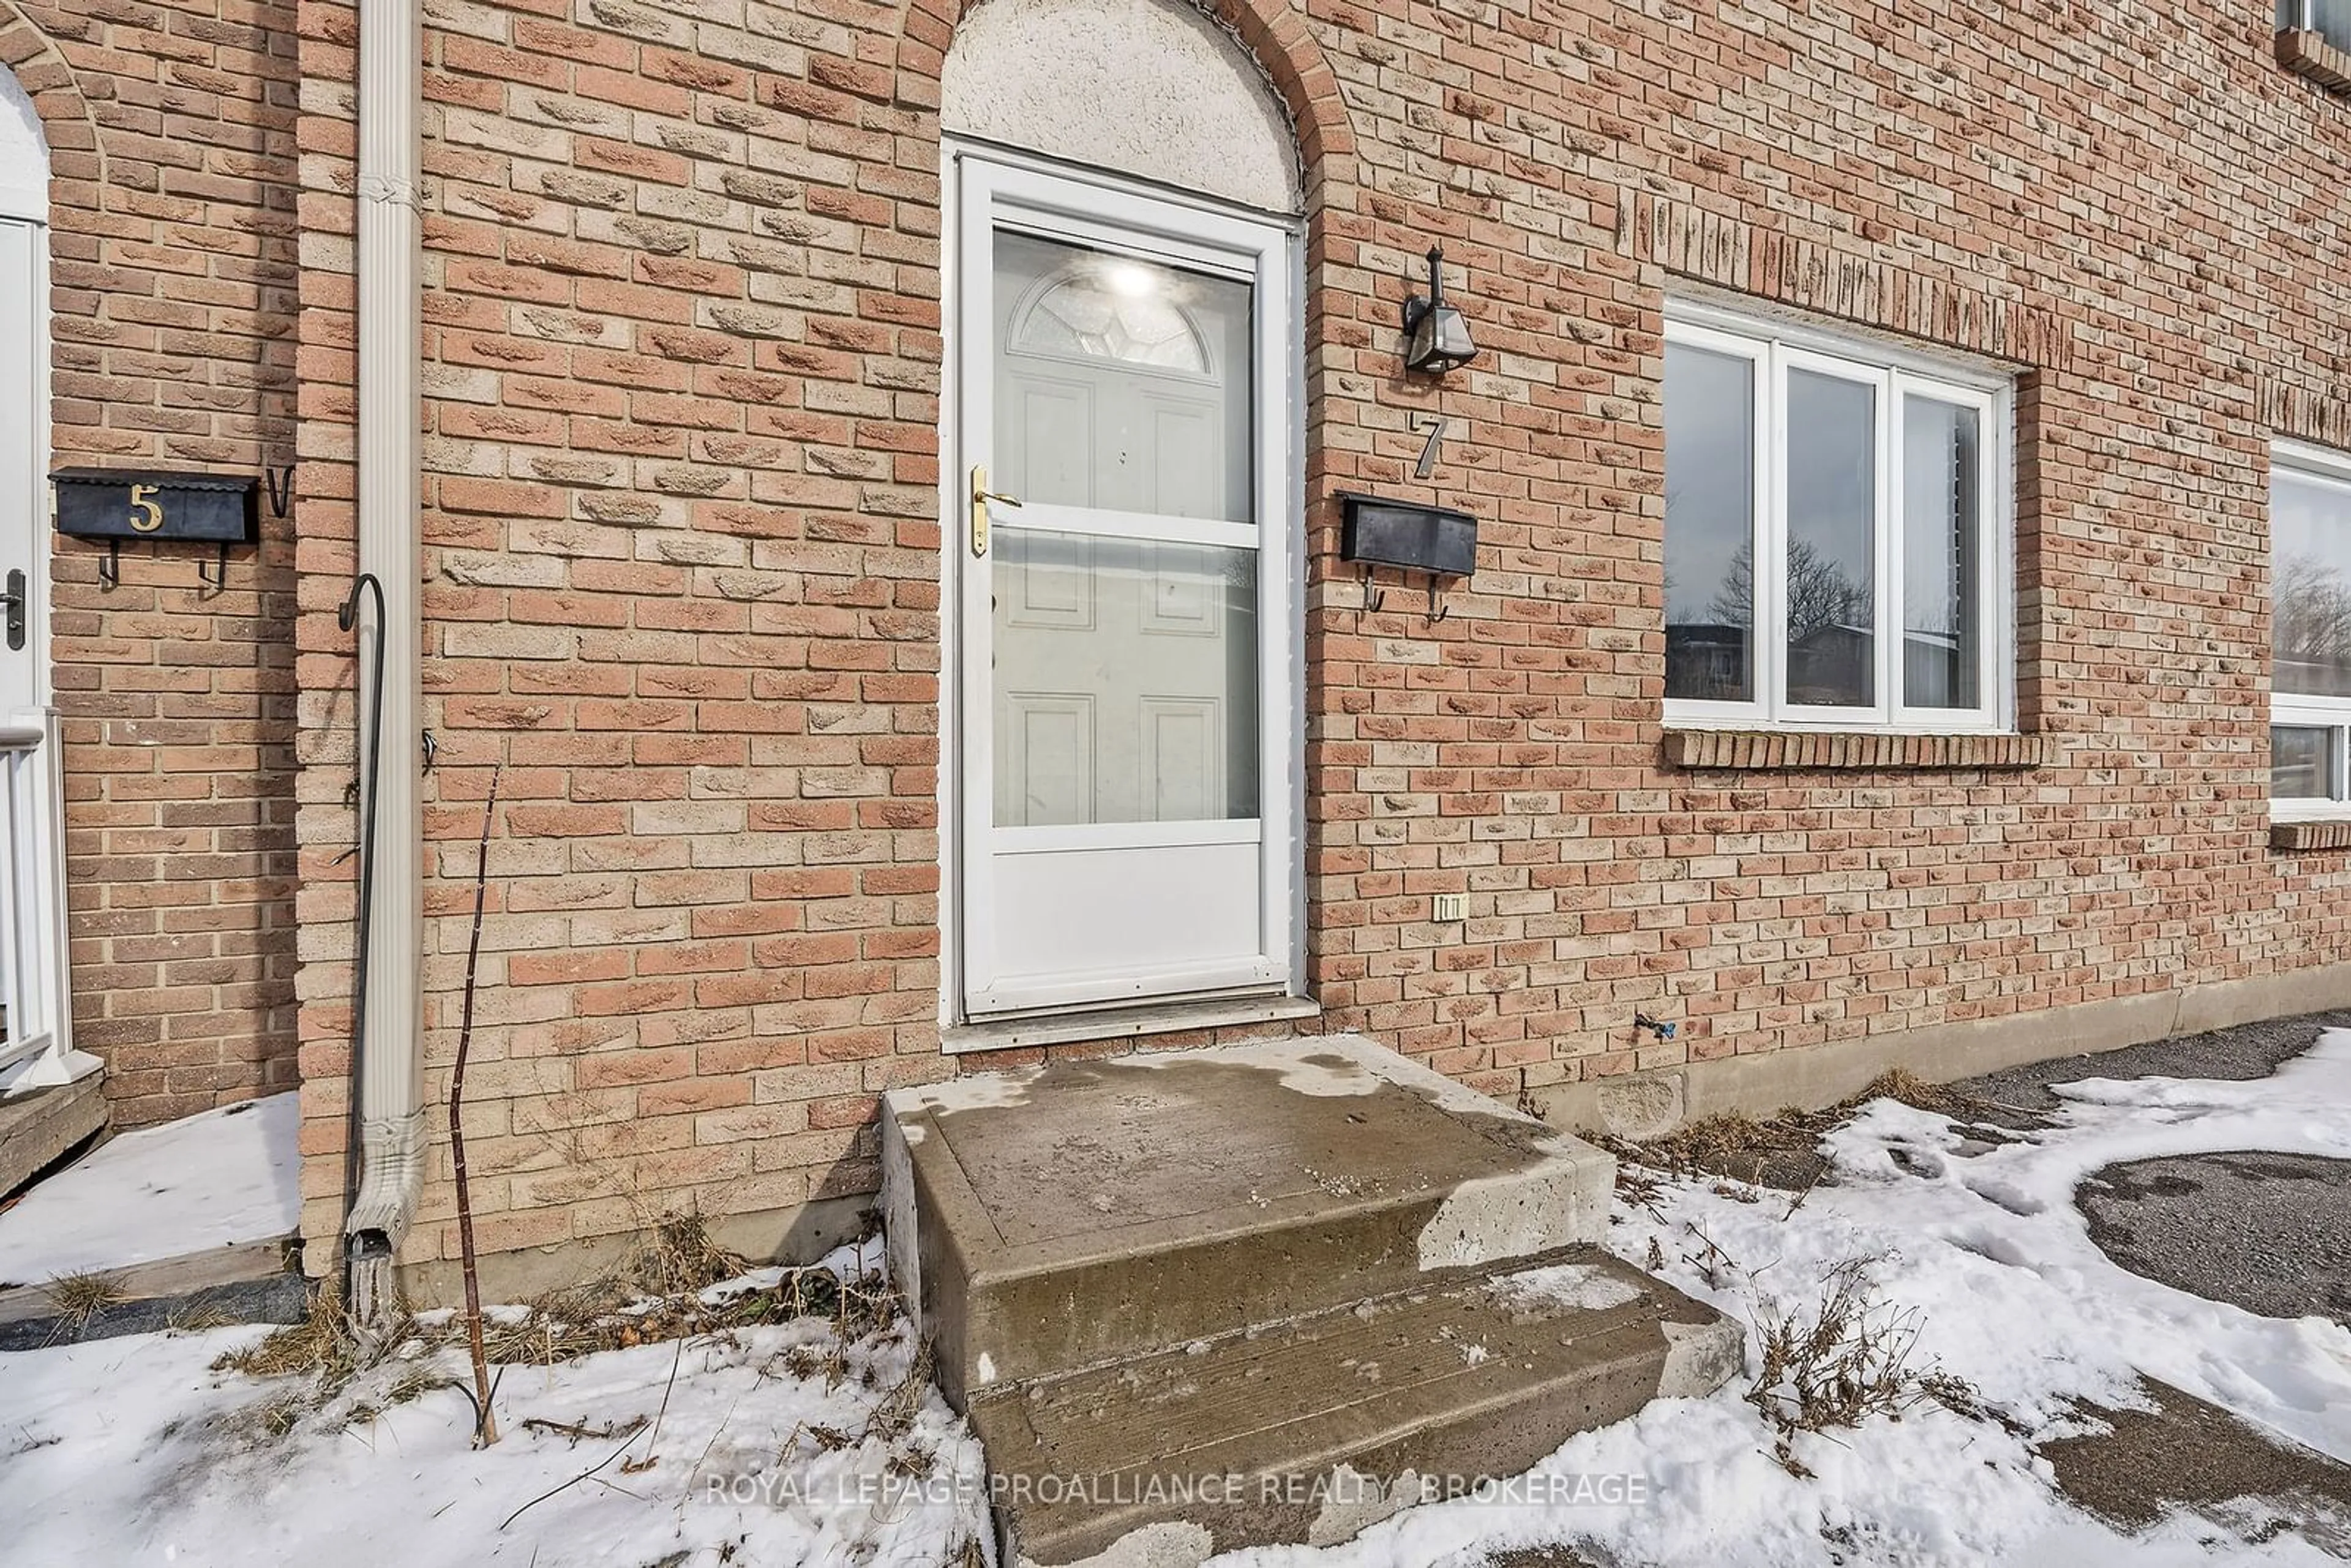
(146, 512)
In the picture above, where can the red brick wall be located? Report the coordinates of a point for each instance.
(683, 345)
(171, 126)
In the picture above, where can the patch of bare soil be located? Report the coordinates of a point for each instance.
(1539, 1557)
(1783, 1151)
(2242, 1053)
(2188, 1455)
(680, 1285)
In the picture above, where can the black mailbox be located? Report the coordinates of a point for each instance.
(1434, 539)
(145, 504)
(118, 503)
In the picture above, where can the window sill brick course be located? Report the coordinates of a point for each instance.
(2307, 52)
(2333, 833)
(1842, 749)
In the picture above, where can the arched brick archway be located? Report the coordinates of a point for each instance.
(26, 50)
(1273, 31)
(1276, 34)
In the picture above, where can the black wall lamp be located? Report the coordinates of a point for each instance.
(1437, 338)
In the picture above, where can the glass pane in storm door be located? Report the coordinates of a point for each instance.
(1125, 671)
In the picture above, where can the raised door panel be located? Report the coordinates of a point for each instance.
(1045, 776)
(1182, 774)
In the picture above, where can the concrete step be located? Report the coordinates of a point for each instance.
(1308, 1430)
(1055, 1218)
(1267, 1293)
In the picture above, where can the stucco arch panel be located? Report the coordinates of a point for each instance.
(1149, 88)
(23, 153)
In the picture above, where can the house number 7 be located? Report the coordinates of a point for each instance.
(146, 512)
(1427, 464)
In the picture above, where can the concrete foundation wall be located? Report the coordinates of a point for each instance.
(1649, 1104)
(799, 1235)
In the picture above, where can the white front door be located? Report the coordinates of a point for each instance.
(1126, 739)
(32, 1033)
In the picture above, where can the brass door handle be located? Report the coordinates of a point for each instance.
(980, 497)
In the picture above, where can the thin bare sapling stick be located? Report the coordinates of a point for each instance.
(486, 1429)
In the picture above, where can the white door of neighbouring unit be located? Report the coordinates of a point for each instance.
(34, 1023)
(1126, 735)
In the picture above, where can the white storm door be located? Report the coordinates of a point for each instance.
(24, 522)
(1126, 735)
(32, 909)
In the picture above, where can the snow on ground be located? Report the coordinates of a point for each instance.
(210, 1180)
(132, 1451)
(1988, 1251)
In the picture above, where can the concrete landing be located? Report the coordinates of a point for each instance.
(1284, 1259)
(1070, 1214)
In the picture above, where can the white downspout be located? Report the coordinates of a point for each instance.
(392, 1139)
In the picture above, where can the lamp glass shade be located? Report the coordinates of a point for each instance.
(1440, 340)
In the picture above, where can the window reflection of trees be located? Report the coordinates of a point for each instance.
(1707, 658)
(1821, 592)
(2312, 628)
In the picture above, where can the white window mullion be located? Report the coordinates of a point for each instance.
(1898, 552)
(1892, 617)
(1771, 571)
(1996, 657)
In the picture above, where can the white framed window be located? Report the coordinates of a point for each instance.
(1838, 532)
(2310, 631)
